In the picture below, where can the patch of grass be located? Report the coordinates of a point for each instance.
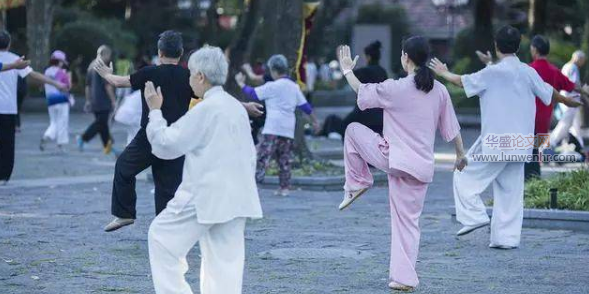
(573, 191)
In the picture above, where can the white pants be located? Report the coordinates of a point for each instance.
(508, 197)
(569, 123)
(59, 119)
(172, 235)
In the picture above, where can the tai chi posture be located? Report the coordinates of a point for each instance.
(539, 49)
(507, 91)
(414, 108)
(8, 100)
(282, 96)
(571, 118)
(173, 80)
(218, 190)
(58, 103)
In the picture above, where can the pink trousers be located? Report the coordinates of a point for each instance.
(362, 147)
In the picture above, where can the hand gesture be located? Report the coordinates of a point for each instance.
(344, 56)
(438, 67)
(240, 79)
(153, 98)
(102, 69)
(247, 68)
(21, 63)
(254, 109)
(485, 58)
(461, 163)
(570, 102)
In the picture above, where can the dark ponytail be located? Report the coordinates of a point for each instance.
(417, 49)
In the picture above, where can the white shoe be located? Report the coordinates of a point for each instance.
(400, 287)
(282, 192)
(118, 223)
(351, 196)
(469, 229)
(503, 247)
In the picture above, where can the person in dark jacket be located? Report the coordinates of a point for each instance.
(372, 118)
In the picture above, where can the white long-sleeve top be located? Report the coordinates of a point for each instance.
(220, 163)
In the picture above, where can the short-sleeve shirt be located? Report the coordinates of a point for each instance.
(8, 83)
(282, 98)
(372, 118)
(174, 81)
(551, 75)
(99, 99)
(507, 91)
(411, 118)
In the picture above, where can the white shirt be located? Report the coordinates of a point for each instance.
(571, 71)
(8, 83)
(507, 92)
(282, 98)
(219, 168)
(311, 75)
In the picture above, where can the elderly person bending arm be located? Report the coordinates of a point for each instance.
(216, 140)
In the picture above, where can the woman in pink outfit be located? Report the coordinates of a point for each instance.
(414, 108)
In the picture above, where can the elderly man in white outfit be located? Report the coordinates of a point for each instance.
(571, 117)
(507, 92)
(218, 190)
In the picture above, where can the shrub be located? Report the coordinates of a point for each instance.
(573, 191)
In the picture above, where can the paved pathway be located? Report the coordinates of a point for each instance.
(51, 238)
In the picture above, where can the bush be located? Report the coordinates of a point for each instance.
(573, 191)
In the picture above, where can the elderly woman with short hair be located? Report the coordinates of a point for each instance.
(282, 96)
(216, 140)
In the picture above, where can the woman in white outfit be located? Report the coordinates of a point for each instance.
(58, 102)
(218, 190)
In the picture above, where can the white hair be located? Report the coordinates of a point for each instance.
(278, 63)
(211, 62)
(578, 54)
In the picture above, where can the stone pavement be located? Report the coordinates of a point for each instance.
(51, 238)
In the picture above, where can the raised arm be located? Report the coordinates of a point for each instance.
(18, 64)
(565, 100)
(347, 65)
(106, 72)
(441, 69)
(257, 79)
(186, 134)
(41, 78)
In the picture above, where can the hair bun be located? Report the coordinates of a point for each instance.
(377, 45)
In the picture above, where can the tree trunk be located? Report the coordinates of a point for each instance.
(39, 23)
(241, 44)
(537, 17)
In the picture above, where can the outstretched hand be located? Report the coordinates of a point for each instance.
(485, 58)
(21, 63)
(254, 109)
(437, 66)
(153, 98)
(240, 79)
(102, 69)
(344, 55)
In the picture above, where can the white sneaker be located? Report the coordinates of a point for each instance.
(118, 223)
(400, 287)
(282, 192)
(469, 229)
(351, 196)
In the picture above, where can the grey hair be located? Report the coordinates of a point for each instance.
(102, 50)
(578, 54)
(211, 62)
(278, 63)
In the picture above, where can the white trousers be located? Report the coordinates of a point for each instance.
(59, 120)
(569, 123)
(508, 197)
(172, 235)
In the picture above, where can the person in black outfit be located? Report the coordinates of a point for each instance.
(372, 118)
(173, 80)
(100, 100)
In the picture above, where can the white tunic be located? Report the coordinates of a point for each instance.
(507, 92)
(219, 169)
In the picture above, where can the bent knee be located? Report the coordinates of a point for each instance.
(353, 128)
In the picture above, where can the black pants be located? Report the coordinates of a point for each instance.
(7, 126)
(167, 176)
(334, 123)
(532, 168)
(99, 126)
